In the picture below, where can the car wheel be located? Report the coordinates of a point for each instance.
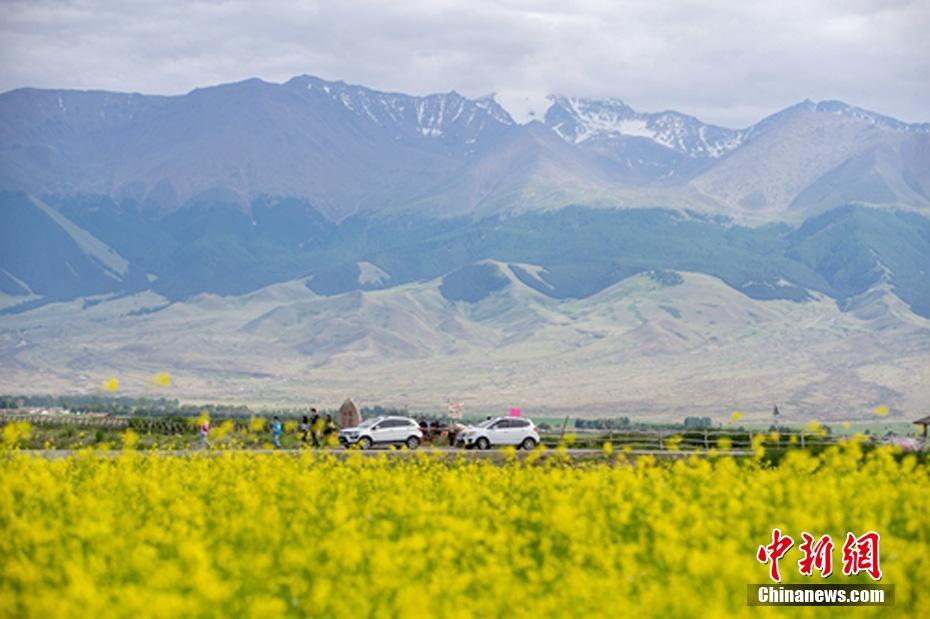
(413, 442)
(528, 443)
(364, 442)
(483, 443)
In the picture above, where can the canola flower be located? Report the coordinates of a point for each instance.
(111, 384)
(14, 433)
(256, 424)
(162, 379)
(882, 410)
(281, 535)
(815, 428)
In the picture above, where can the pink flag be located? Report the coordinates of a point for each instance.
(514, 412)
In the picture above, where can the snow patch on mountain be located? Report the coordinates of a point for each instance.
(369, 274)
(578, 120)
(443, 115)
(534, 272)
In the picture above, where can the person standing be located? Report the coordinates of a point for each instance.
(276, 432)
(205, 434)
(329, 429)
(455, 430)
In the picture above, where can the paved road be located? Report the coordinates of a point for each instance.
(471, 454)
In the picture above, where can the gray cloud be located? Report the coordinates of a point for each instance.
(724, 61)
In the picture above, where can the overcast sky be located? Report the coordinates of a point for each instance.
(726, 61)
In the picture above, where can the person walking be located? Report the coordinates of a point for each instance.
(304, 429)
(315, 427)
(205, 434)
(276, 432)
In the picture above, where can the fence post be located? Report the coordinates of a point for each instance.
(706, 444)
(802, 438)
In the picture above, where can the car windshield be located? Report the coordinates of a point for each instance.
(368, 423)
(486, 423)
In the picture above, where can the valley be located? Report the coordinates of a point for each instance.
(656, 347)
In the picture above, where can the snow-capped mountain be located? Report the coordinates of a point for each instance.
(347, 149)
(448, 118)
(580, 120)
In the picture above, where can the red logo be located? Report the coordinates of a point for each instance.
(773, 552)
(817, 556)
(860, 554)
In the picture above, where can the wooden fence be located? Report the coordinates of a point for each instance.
(692, 439)
(104, 422)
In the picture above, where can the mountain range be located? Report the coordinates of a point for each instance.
(483, 237)
(349, 150)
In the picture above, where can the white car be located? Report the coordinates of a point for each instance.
(383, 431)
(517, 431)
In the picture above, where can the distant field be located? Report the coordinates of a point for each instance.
(620, 352)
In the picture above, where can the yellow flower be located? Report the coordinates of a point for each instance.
(256, 424)
(201, 419)
(882, 410)
(162, 379)
(111, 384)
(224, 429)
(15, 433)
(812, 427)
(758, 446)
(736, 416)
(241, 533)
(130, 440)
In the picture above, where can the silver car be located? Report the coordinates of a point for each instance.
(517, 431)
(385, 430)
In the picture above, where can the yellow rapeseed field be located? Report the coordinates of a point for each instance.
(271, 535)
